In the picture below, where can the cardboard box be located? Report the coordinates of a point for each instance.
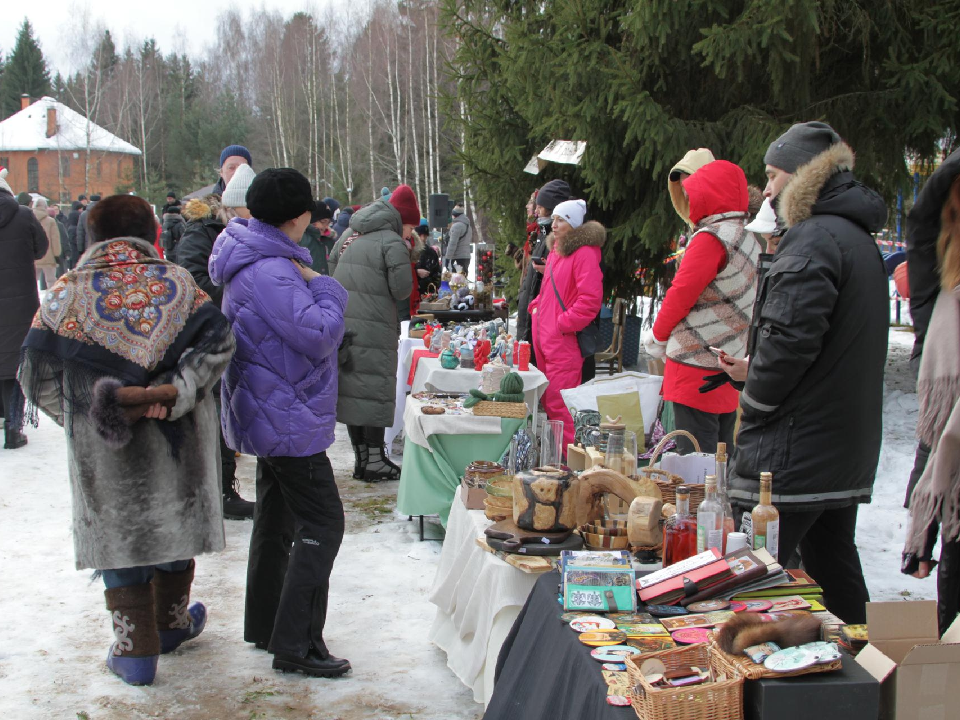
(472, 497)
(850, 693)
(919, 673)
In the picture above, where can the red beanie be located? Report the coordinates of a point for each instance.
(405, 202)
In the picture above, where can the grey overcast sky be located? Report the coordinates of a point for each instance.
(180, 25)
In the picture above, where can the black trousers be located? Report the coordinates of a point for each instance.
(826, 540)
(12, 402)
(707, 428)
(297, 529)
(228, 458)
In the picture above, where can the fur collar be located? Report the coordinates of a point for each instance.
(590, 234)
(201, 208)
(801, 193)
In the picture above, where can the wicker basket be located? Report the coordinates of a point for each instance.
(720, 700)
(668, 482)
(490, 408)
(417, 332)
(478, 472)
(436, 306)
(752, 671)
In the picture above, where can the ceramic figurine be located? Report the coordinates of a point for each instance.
(449, 360)
(481, 354)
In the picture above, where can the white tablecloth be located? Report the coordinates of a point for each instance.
(404, 351)
(478, 597)
(419, 427)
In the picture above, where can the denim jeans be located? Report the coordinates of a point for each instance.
(125, 577)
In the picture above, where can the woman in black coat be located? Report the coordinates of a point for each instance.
(22, 242)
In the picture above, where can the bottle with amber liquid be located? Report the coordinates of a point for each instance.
(722, 498)
(680, 533)
(766, 519)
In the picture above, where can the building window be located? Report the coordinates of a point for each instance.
(33, 175)
(99, 170)
(64, 166)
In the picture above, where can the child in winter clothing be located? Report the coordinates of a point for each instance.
(279, 403)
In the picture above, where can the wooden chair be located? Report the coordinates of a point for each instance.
(612, 357)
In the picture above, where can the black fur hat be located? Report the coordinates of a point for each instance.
(122, 216)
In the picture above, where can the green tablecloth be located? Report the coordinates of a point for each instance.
(428, 480)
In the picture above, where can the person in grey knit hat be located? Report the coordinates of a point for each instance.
(795, 148)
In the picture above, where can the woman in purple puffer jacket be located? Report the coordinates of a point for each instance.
(279, 403)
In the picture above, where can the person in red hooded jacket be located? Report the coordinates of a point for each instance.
(708, 305)
(569, 300)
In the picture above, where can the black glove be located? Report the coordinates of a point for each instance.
(712, 382)
(343, 357)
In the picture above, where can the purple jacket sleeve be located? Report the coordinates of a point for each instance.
(309, 317)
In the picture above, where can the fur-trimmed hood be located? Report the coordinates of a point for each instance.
(590, 234)
(826, 186)
(203, 208)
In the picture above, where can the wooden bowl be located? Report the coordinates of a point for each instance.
(501, 487)
(605, 542)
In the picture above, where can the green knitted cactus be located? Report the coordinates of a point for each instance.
(475, 397)
(511, 388)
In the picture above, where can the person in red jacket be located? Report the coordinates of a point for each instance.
(569, 300)
(709, 304)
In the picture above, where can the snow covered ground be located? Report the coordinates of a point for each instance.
(55, 635)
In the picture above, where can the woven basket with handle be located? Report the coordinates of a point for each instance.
(753, 671)
(668, 482)
(717, 700)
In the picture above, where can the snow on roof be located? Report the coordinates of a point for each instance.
(27, 130)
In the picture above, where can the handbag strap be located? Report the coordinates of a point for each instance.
(559, 299)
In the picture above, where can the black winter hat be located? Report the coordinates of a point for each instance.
(320, 212)
(171, 193)
(95, 197)
(553, 193)
(277, 195)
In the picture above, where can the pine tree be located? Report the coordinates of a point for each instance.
(25, 72)
(644, 82)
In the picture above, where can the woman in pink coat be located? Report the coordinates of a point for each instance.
(569, 300)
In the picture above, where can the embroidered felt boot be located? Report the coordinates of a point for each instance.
(379, 466)
(361, 454)
(134, 654)
(177, 620)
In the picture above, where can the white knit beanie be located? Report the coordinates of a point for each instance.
(3, 181)
(235, 194)
(766, 220)
(573, 211)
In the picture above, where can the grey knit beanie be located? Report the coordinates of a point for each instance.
(799, 145)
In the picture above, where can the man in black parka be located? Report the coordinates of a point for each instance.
(813, 399)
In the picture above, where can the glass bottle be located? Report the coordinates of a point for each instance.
(680, 533)
(729, 523)
(766, 518)
(710, 518)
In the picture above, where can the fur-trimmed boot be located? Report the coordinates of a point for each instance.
(361, 454)
(134, 654)
(177, 620)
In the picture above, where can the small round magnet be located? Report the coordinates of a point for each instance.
(652, 666)
(618, 700)
(757, 606)
(790, 659)
(708, 606)
(569, 617)
(591, 622)
(614, 667)
(612, 653)
(597, 638)
(737, 606)
(691, 636)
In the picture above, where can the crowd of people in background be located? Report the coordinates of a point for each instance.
(261, 315)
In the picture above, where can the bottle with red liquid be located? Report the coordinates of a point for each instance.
(680, 533)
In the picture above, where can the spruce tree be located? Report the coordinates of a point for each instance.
(25, 72)
(643, 82)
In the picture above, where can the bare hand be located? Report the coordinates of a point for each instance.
(156, 412)
(306, 272)
(422, 273)
(922, 571)
(734, 367)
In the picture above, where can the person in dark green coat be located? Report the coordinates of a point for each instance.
(372, 261)
(318, 238)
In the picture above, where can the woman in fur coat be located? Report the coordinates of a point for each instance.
(123, 353)
(569, 300)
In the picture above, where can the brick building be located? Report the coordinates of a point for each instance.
(45, 146)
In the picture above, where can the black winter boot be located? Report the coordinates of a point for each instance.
(360, 452)
(379, 466)
(234, 506)
(13, 437)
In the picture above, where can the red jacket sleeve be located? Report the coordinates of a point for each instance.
(704, 258)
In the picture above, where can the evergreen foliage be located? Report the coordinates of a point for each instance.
(643, 82)
(25, 72)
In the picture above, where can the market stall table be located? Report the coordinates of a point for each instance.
(437, 449)
(478, 597)
(433, 377)
(405, 349)
(545, 673)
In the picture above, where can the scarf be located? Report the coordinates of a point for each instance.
(116, 313)
(936, 498)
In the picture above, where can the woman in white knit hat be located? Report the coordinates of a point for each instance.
(234, 199)
(569, 300)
